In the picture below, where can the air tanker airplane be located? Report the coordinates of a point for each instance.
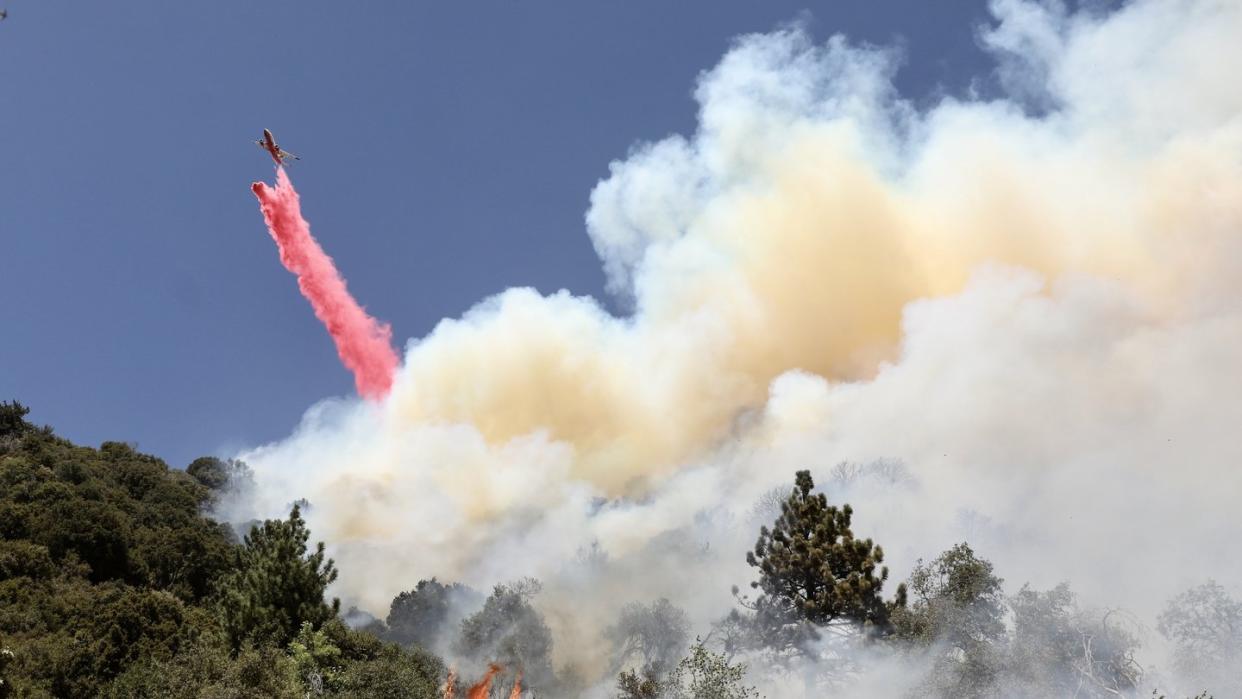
(269, 144)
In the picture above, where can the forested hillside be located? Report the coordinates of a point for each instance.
(113, 583)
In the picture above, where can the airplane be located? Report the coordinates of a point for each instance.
(4, 14)
(269, 144)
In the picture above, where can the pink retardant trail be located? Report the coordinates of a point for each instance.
(364, 343)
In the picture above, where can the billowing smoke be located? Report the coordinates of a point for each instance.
(364, 344)
(1029, 300)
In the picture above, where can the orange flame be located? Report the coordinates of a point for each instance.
(484, 687)
(450, 685)
(517, 687)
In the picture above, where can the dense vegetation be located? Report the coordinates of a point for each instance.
(113, 583)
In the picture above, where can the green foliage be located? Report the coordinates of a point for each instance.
(354, 644)
(71, 637)
(707, 675)
(631, 684)
(117, 511)
(220, 475)
(957, 604)
(130, 623)
(393, 674)
(276, 586)
(509, 631)
(812, 570)
(317, 659)
(207, 671)
(6, 687)
(421, 616)
(22, 559)
(369, 667)
(332, 661)
(14, 518)
(186, 560)
(13, 419)
(137, 473)
(700, 675)
(113, 584)
(97, 533)
(209, 471)
(103, 552)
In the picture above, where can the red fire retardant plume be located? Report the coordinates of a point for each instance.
(364, 344)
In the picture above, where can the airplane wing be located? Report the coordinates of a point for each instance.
(287, 154)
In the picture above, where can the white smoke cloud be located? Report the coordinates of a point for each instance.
(1032, 302)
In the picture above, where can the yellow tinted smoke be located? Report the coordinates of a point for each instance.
(790, 233)
(808, 269)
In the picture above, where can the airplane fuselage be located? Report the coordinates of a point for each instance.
(269, 144)
(279, 155)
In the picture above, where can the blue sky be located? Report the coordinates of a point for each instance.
(448, 149)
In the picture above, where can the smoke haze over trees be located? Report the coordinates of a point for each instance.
(952, 385)
(207, 614)
(1008, 311)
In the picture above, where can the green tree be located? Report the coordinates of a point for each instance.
(707, 675)
(812, 570)
(220, 474)
(96, 532)
(22, 559)
(137, 473)
(113, 584)
(422, 615)
(700, 675)
(374, 669)
(317, 659)
(276, 586)
(185, 558)
(13, 419)
(393, 674)
(509, 631)
(632, 684)
(956, 606)
(72, 637)
(6, 687)
(206, 670)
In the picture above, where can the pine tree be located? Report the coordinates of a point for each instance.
(276, 586)
(812, 569)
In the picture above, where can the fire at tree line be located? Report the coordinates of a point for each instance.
(114, 583)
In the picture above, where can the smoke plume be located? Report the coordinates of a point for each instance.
(1028, 294)
(363, 343)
